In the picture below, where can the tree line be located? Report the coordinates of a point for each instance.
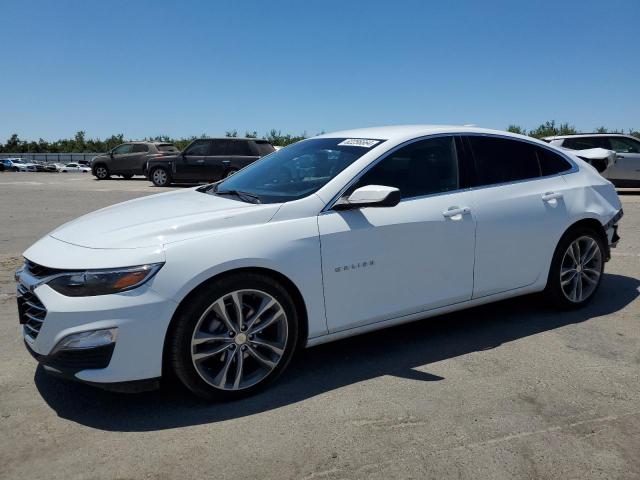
(80, 143)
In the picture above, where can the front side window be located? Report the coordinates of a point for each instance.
(422, 168)
(198, 147)
(122, 149)
(624, 145)
(296, 171)
(500, 160)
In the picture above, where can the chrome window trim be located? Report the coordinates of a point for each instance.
(574, 167)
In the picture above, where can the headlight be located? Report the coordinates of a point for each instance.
(103, 282)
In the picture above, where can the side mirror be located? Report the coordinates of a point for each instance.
(370, 196)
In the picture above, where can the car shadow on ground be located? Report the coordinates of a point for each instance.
(396, 351)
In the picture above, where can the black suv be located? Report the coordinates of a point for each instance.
(206, 160)
(129, 159)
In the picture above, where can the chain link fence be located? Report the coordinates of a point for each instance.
(51, 157)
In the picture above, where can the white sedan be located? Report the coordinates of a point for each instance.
(330, 237)
(74, 167)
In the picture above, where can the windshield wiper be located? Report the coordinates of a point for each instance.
(245, 196)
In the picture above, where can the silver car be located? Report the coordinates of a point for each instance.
(626, 170)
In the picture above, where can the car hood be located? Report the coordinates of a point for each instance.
(160, 219)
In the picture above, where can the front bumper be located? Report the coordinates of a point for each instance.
(141, 317)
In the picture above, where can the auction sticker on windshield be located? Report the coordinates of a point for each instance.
(359, 142)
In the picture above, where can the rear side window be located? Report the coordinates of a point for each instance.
(551, 163)
(584, 143)
(500, 160)
(140, 147)
(167, 147)
(624, 145)
(239, 148)
(422, 168)
(264, 148)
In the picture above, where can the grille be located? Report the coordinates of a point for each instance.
(31, 312)
(41, 271)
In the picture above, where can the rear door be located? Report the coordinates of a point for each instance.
(217, 160)
(241, 154)
(627, 166)
(137, 158)
(520, 212)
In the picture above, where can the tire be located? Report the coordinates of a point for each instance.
(160, 177)
(580, 280)
(127, 176)
(101, 172)
(231, 172)
(242, 364)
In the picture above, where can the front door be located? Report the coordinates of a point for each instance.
(380, 263)
(120, 159)
(191, 165)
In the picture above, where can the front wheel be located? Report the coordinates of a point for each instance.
(160, 177)
(234, 337)
(577, 268)
(101, 172)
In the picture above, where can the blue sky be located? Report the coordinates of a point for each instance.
(185, 68)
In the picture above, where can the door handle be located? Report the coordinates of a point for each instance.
(199, 161)
(455, 211)
(549, 196)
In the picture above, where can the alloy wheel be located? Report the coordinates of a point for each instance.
(101, 172)
(580, 269)
(159, 177)
(239, 339)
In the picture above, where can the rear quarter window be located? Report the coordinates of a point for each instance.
(167, 147)
(264, 148)
(552, 163)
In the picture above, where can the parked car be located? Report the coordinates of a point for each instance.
(626, 170)
(45, 167)
(18, 165)
(330, 237)
(74, 167)
(129, 159)
(206, 160)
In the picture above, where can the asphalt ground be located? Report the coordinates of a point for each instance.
(510, 390)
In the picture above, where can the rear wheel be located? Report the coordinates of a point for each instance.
(237, 335)
(577, 268)
(160, 177)
(101, 172)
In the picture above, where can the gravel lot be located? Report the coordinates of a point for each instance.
(509, 390)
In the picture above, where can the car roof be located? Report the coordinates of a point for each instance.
(581, 135)
(399, 132)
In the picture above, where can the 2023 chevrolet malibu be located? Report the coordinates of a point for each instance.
(327, 238)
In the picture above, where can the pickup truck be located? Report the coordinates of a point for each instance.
(206, 160)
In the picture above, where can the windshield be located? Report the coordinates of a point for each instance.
(296, 171)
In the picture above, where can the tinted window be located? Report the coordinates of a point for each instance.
(198, 147)
(126, 148)
(239, 147)
(422, 168)
(584, 143)
(167, 147)
(500, 160)
(218, 147)
(295, 171)
(624, 145)
(551, 162)
(140, 147)
(264, 148)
